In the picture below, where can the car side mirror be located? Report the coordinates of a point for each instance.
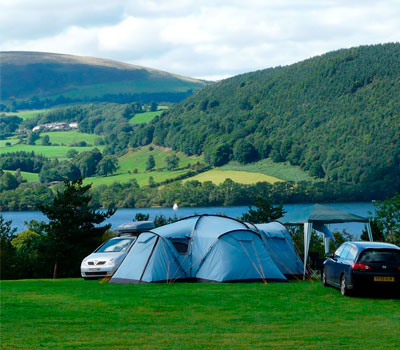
(331, 256)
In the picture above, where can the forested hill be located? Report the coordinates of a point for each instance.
(335, 115)
(25, 75)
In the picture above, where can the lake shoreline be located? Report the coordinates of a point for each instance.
(125, 215)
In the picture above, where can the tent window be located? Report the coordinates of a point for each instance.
(180, 244)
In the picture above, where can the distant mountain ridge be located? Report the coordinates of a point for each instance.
(25, 74)
(336, 115)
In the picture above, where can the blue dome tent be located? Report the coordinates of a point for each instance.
(206, 247)
(280, 247)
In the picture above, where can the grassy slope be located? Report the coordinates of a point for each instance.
(30, 177)
(75, 314)
(27, 114)
(48, 151)
(243, 177)
(146, 117)
(137, 160)
(68, 137)
(283, 170)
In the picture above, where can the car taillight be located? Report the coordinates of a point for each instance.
(357, 266)
(398, 268)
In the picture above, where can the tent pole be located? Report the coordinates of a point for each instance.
(369, 231)
(307, 239)
(326, 244)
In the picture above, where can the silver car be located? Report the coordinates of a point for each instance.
(105, 260)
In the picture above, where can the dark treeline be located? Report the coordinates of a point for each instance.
(24, 161)
(8, 125)
(84, 164)
(191, 193)
(336, 116)
(39, 103)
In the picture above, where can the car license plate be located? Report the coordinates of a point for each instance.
(93, 269)
(383, 279)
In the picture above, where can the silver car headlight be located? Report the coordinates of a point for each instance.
(111, 262)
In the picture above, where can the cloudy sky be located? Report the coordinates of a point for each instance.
(209, 39)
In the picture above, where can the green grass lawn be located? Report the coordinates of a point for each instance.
(27, 114)
(77, 314)
(48, 151)
(137, 160)
(219, 176)
(13, 140)
(68, 137)
(30, 177)
(146, 117)
(283, 170)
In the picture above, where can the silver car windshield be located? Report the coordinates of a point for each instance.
(116, 245)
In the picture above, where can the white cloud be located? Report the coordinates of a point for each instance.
(200, 38)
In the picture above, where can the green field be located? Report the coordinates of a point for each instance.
(146, 117)
(12, 140)
(137, 160)
(28, 113)
(30, 177)
(77, 314)
(283, 170)
(68, 137)
(218, 176)
(48, 151)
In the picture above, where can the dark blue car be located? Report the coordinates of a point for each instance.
(360, 265)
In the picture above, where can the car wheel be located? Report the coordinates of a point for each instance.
(323, 278)
(343, 286)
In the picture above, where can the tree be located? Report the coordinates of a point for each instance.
(317, 170)
(7, 251)
(72, 153)
(172, 161)
(108, 165)
(8, 182)
(151, 181)
(151, 163)
(46, 140)
(74, 227)
(244, 152)
(218, 155)
(387, 218)
(153, 106)
(87, 162)
(264, 212)
(32, 137)
(377, 233)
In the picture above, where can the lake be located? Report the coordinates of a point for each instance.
(123, 216)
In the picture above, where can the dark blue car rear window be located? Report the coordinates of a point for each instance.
(380, 256)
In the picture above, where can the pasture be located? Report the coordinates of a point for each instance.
(146, 117)
(282, 170)
(48, 151)
(243, 177)
(77, 314)
(136, 159)
(27, 114)
(30, 177)
(67, 138)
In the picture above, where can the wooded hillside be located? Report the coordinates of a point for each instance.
(335, 115)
